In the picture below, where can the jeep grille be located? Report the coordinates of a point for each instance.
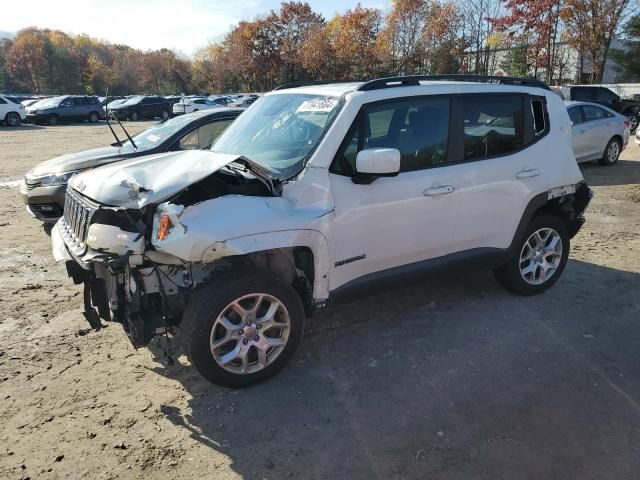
(77, 215)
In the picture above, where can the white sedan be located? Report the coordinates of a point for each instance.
(190, 105)
(598, 132)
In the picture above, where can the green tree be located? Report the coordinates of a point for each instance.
(516, 61)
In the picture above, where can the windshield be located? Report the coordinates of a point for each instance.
(132, 101)
(50, 102)
(157, 134)
(281, 131)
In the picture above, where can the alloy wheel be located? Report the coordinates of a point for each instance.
(540, 256)
(250, 333)
(613, 152)
(12, 119)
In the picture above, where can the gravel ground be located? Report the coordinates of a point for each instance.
(449, 379)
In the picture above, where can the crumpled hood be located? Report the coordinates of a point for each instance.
(138, 182)
(78, 161)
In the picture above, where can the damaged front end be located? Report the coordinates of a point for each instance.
(115, 248)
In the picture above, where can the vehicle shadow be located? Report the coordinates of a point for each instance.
(451, 378)
(624, 172)
(24, 126)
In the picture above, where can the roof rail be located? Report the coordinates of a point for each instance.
(413, 80)
(308, 83)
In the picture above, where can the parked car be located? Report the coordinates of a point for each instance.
(31, 101)
(188, 105)
(44, 186)
(142, 107)
(598, 132)
(65, 108)
(113, 104)
(629, 107)
(318, 193)
(12, 112)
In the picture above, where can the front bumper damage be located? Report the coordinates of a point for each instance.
(146, 297)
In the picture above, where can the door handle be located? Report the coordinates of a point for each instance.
(443, 190)
(528, 173)
(582, 131)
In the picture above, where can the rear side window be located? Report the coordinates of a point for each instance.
(418, 128)
(605, 95)
(2, 101)
(583, 93)
(493, 125)
(592, 113)
(539, 117)
(575, 114)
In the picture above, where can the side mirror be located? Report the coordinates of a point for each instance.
(372, 163)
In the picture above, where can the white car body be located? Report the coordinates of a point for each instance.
(352, 229)
(9, 107)
(593, 127)
(190, 105)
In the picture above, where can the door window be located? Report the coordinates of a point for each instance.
(592, 113)
(67, 103)
(203, 136)
(418, 128)
(583, 93)
(2, 102)
(493, 125)
(575, 115)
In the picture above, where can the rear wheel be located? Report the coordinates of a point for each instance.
(634, 123)
(94, 117)
(12, 119)
(243, 328)
(539, 257)
(611, 152)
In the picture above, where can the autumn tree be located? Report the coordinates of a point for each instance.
(478, 33)
(591, 26)
(26, 61)
(537, 23)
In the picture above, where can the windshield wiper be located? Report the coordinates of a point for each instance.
(121, 126)
(261, 172)
(106, 107)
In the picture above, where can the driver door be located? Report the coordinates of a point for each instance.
(393, 223)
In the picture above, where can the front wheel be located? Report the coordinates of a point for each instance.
(164, 115)
(94, 117)
(133, 116)
(243, 328)
(539, 257)
(634, 123)
(53, 119)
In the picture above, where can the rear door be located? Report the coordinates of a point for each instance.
(597, 129)
(497, 175)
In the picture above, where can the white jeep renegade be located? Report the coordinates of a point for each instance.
(317, 192)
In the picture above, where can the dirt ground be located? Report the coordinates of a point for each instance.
(453, 378)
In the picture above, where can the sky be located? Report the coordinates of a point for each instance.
(182, 25)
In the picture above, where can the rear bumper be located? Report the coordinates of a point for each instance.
(581, 200)
(45, 203)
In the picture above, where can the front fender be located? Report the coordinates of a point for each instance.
(312, 239)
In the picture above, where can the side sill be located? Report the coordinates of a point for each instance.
(399, 277)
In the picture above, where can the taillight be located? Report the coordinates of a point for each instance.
(627, 123)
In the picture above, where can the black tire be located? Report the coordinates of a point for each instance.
(611, 153)
(12, 119)
(133, 116)
(213, 299)
(509, 275)
(53, 119)
(634, 123)
(164, 115)
(94, 117)
(48, 227)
